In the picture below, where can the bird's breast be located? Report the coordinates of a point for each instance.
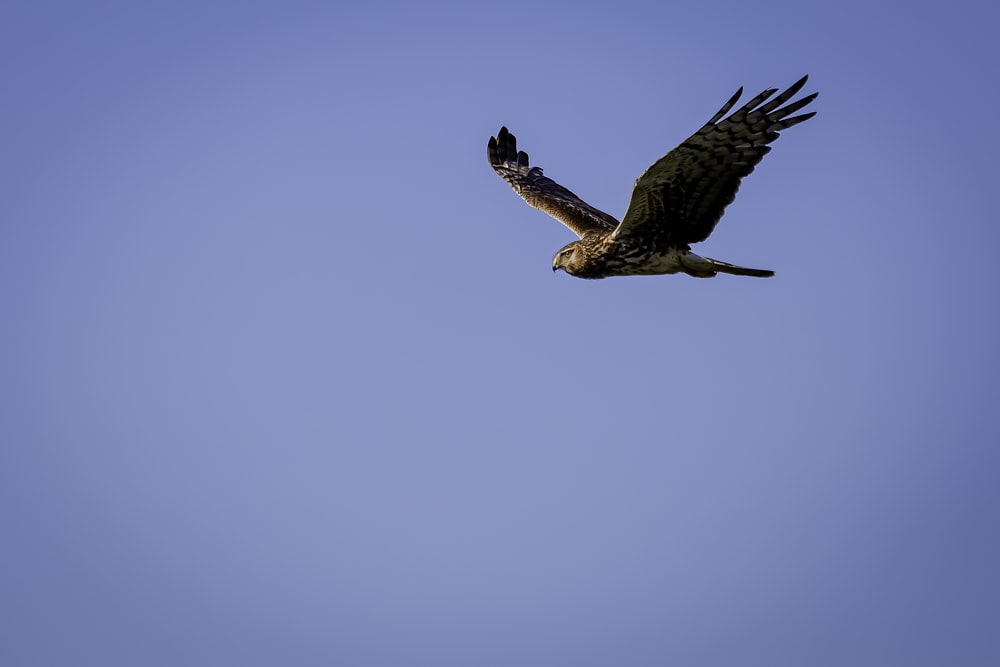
(636, 260)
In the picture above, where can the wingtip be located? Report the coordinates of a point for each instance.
(796, 87)
(503, 149)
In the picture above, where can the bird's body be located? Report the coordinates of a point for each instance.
(601, 256)
(676, 202)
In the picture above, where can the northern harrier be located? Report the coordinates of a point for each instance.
(675, 202)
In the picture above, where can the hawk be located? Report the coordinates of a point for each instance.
(676, 202)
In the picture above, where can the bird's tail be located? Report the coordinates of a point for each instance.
(722, 267)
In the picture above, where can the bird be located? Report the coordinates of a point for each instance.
(676, 202)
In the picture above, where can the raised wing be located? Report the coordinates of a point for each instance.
(542, 192)
(682, 196)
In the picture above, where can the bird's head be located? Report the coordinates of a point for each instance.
(564, 259)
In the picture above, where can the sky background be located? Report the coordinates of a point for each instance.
(286, 378)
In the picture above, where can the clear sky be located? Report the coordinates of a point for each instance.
(286, 378)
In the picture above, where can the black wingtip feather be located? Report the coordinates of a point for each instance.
(502, 148)
(727, 106)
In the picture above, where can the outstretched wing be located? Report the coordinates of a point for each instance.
(682, 196)
(542, 192)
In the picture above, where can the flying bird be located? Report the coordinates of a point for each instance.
(676, 202)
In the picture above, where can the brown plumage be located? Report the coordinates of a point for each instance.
(676, 202)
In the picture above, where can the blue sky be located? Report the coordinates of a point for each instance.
(285, 377)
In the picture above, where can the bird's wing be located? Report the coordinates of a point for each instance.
(681, 197)
(542, 192)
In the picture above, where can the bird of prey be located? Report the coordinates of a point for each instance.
(675, 202)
